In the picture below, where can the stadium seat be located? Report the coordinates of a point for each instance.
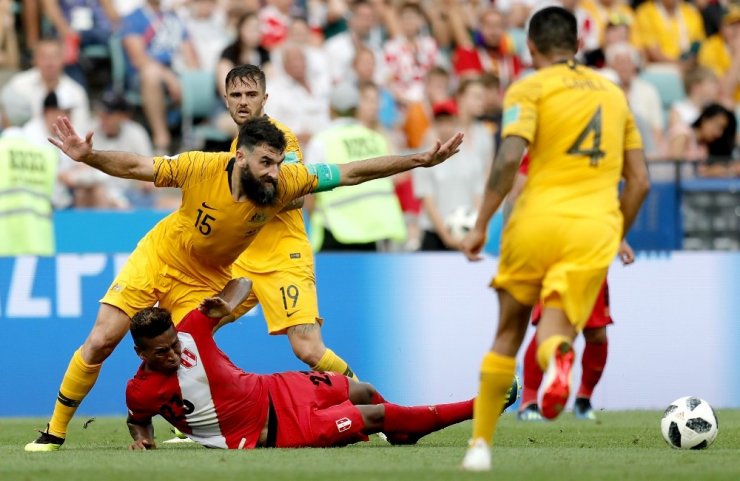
(118, 71)
(667, 80)
(198, 97)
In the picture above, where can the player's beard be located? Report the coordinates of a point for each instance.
(261, 192)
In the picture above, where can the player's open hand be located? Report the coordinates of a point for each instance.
(214, 307)
(68, 141)
(142, 445)
(441, 152)
(626, 254)
(473, 244)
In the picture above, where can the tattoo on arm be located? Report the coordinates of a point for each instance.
(303, 329)
(506, 164)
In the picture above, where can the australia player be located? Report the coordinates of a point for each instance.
(567, 224)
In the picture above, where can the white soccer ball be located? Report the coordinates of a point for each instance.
(689, 423)
(460, 222)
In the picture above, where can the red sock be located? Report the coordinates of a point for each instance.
(532, 375)
(594, 360)
(377, 398)
(425, 419)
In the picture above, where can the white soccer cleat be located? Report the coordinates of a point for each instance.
(478, 456)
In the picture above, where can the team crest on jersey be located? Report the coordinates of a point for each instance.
(343, 424)
(188, 359)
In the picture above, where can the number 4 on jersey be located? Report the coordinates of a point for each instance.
(594, 153)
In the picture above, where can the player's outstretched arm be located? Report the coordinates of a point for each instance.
(500, 180)
(143, 435)
(223, 304)
(126, 165)
(636, 186)
(361, 171)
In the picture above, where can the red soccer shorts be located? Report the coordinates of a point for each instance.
(600, 316)
(313, 410)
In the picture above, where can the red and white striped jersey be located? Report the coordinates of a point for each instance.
(210, 399)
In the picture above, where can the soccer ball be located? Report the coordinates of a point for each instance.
(689, 423)
(460, 221)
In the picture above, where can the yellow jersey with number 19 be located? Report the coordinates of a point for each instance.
(578, 125)
(283, 242)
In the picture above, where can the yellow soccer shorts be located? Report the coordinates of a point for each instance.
(146, 279)
(560, 261)
(288, 296)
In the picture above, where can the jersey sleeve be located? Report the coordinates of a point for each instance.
(188, 168)
(295, 181)
(293, 152)
(632, 138)
(140, 409)
(196, 323)
(520, 110)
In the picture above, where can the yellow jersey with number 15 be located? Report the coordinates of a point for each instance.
(283, 242)
(578, 125)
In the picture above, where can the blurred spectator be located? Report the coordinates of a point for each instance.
(31, 21)
(615, 12)
(450, 186)
(154, 38)
(27, 178)
(492, 105)
(205, 21)
(274, 22)
(715, 123)
(670, 30)
(246, 49)
(46, 76)
(9, 50)
(114, 129)
(721, 53)
(410, 55)
(363, 71)
(363, 30)
(80, 24)
(711, 13)
(618, 29)
(489, 49)
(643, 98)
(368, 114)
(354, 219)
(702, 88)
(293, 97)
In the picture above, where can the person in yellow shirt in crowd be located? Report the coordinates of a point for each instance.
(721, 53)
(604, 12)
(670, 30)
(226, 200)
(566, 226)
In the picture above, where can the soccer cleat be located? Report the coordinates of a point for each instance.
(180, 437)
(478, 456)
(582, 409)
(513, 394)
(557, 381)
(44, 443)
(529, 413)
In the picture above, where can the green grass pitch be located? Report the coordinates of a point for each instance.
(621, 446)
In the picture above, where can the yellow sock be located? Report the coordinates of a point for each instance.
(333, 363)
(78, 380)
(496, 373)
(547, 347)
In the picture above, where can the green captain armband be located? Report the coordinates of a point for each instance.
(328, 175)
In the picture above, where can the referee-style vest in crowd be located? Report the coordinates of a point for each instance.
(27, 176)
(359, 213)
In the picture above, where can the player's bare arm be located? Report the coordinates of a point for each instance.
(118, 164)
(224, 303)
(361, 171)
(500, 181)
(636, 186)
(142, 434)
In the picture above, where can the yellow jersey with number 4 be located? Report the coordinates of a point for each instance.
(211, 229)
(578, 125)
(283, 242)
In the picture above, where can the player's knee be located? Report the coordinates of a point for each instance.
(310, 352)
(373, 417)
(361, 393)
(98, 346)
(595, 336)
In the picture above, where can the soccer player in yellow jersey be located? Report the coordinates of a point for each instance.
(568, 222)
(280, 262)
(226, 200)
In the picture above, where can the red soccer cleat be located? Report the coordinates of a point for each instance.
(557, 382)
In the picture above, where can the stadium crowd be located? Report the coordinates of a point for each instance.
(148, 76)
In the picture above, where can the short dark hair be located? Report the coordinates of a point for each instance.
(149, 323)
(246, 72)
(260, 130)
(554, 29)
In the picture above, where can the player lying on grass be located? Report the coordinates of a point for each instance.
(186, 379)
